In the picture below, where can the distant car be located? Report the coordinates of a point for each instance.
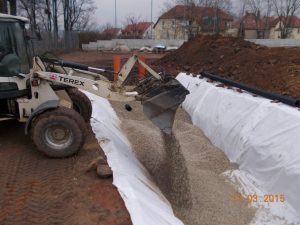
(159, 48)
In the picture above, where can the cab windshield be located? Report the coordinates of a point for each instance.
(13, 57)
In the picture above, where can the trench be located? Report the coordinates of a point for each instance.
(186, 167)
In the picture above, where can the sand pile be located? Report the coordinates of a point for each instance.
(273, 69)
(187, 168)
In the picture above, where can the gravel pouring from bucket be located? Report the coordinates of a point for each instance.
(160, 100)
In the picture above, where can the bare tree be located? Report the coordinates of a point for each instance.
(31, 8)
(55, 17)
(77, 14)
(131, 22)
(285, 10)
(225, 5)
(260, 10)
(241, 32)
(48, 13)
(44, 15)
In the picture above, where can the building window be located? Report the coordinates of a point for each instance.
(227, 24)
(206, 21)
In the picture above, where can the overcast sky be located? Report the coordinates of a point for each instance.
(139, 8)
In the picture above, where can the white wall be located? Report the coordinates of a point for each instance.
(130, 43)
(276, 42)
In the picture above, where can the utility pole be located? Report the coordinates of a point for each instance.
(116, 24)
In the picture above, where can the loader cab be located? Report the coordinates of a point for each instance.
(13, 53)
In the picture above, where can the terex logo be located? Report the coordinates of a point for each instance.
(53, 77)
(71, 81)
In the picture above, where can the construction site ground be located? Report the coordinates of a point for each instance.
(35, 189)
(187, 167)
(38, 190)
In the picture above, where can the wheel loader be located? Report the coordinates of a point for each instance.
(46, 94)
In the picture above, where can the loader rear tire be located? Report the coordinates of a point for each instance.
(81, 103)
(59, 133)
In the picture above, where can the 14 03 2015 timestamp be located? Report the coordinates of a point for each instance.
(254, 198)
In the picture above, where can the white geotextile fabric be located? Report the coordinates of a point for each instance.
(143, 199)
(263, 138)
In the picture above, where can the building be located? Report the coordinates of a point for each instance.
(253, 26)
(285, 27)
(142, 30)
(111, 33)
(184, 22)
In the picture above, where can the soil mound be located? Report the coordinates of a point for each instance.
(273, 69)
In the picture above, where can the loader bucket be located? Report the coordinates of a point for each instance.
(160, 100)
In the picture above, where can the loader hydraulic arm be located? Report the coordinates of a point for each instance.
(159, 95)
(126, 69)
(86, 78)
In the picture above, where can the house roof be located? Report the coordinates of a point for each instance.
(292, 21)
(112, 31)
(250, 22)
(194, 12)
(140, 27)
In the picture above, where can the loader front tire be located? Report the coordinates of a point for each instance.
(81, 103)
(59, 133)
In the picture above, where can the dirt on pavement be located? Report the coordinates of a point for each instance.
(38, 190)
(273, 69)
(187, 168)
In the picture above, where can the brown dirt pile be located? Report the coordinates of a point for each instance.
(273, 69)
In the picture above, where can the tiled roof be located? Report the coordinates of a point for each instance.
(291, 21)
(250, 22)
(140, 27)
(194, 12)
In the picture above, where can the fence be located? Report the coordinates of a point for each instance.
(64, 41)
